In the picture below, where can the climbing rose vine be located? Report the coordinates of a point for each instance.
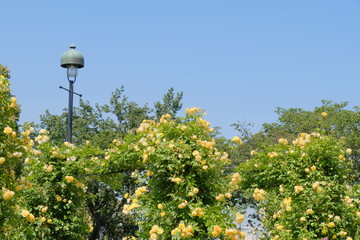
(182, 189)
(302, 189)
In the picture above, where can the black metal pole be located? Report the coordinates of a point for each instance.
(70, 111)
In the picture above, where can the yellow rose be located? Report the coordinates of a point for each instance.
(279, 227)
(176, 180)
(331, 224)
(220, 197)
(49, 168)
(175, 231)
(2, 160)
(25, 213)
(19, 187)
(272, 154)
(69, 179)
(310, 211)
(348, 199)
(217, 229)
(239, 218)
(182, 205)
(31, 218)
(298, 189)
(192, 110)
(259, 194)
(181, 226)
(7, 130)
(315, 185)
(283, 141)
(237, 140)
(342, 233)
(8, 195)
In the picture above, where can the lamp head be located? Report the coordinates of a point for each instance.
(72, 60)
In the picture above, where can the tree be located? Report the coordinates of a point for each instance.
(334, 119)
(128, 113)
(170, 105)
(89, 124)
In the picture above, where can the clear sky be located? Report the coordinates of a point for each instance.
(237, 59)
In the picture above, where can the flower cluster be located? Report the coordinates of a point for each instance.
(216, 231)
(155, 230)
(194, 110)
(7, 194)
(26, 214)
(235, 180)
(197, 212)
(259, 194)
(183, 230)
(237, 140)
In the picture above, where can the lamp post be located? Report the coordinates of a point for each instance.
(72, 60)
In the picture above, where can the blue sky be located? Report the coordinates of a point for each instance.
(239, 60)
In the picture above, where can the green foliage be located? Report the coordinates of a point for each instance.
(43, 193)
(170, 105)
(333, 119)
(89, 124)
(128, 113)
(4, 71)
(170, 179)
(100, 125)
(303, 190)
(57, 196)
(181, 191)
(11, 155)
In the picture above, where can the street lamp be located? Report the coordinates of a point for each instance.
(72, 60)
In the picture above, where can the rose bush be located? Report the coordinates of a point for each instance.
(12, 153)
(303, 190)
(182, 191)
(43, 191)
